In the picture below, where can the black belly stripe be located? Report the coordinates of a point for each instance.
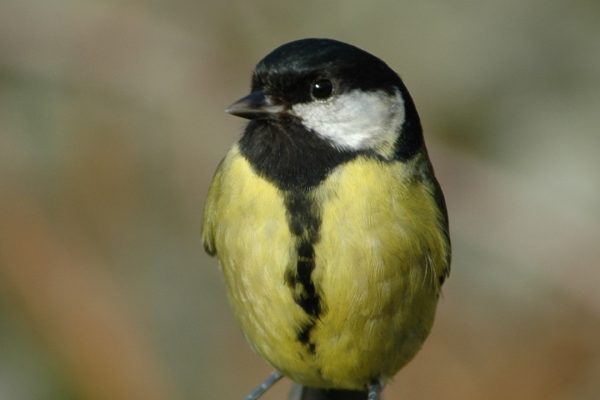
(304, 337)
(309, 299)
(304, 223)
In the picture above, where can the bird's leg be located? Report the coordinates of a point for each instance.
(374, 389)
(263, 387)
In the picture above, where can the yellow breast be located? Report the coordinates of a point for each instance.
(377, 259)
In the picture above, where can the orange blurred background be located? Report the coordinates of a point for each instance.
(112, 123)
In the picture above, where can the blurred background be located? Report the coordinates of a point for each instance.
(112, 123)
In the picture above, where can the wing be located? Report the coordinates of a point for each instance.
(211, 213)
(438, 196)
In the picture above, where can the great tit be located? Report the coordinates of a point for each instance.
(328, 223)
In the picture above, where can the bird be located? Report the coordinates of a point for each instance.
(327, 221)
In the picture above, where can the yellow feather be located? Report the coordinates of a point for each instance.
(380, 252)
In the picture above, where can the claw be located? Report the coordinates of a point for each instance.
(374, 389)
(266, 385)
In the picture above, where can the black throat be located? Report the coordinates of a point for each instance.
(284, 152)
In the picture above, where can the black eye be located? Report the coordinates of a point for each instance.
(321, 89)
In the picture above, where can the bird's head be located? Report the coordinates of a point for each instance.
(345, 96)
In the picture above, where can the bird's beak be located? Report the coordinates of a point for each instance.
(256, 105)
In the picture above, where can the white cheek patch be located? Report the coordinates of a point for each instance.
(356, 120)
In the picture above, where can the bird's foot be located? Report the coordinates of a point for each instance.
(263, 387)
(375, 389)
